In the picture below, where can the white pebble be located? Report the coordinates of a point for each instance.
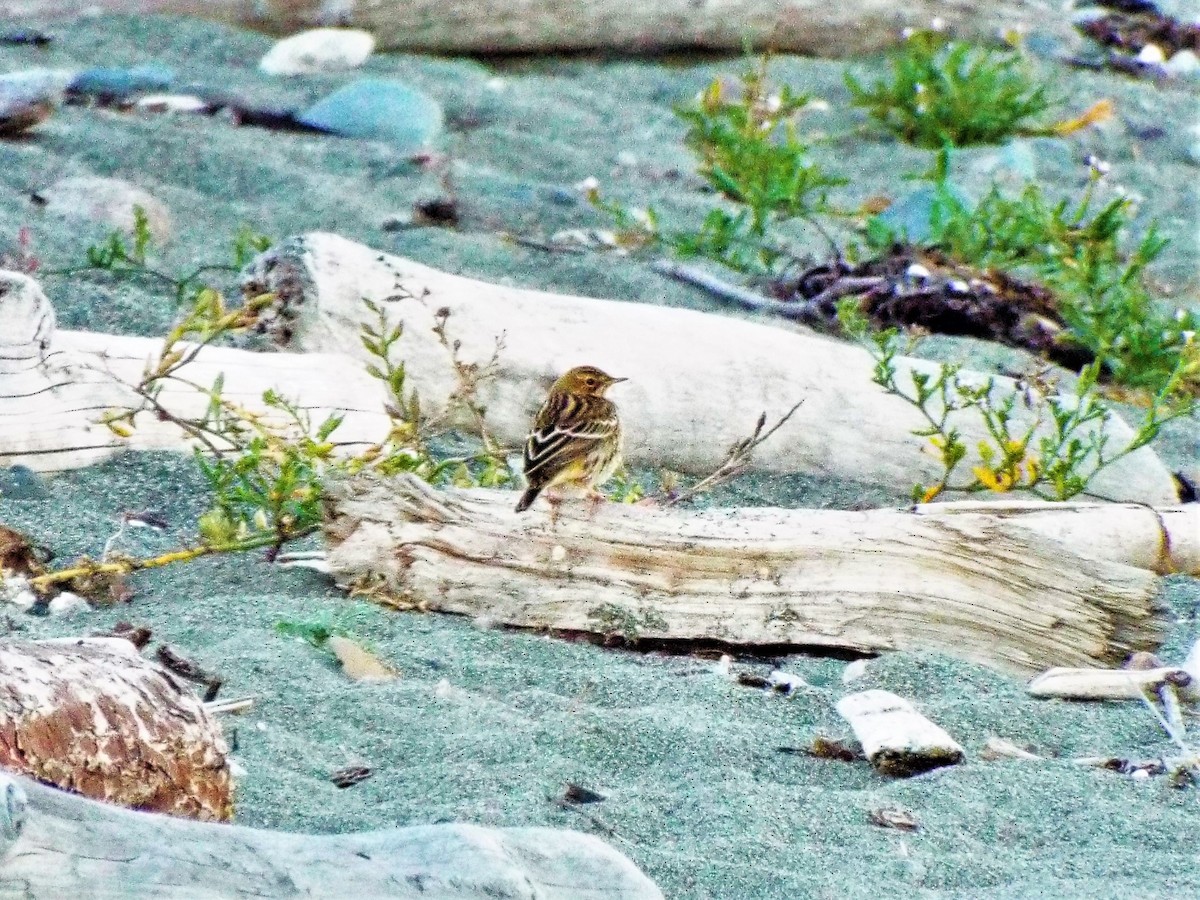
(236, 769)
(496, 84)
(172, 103)
(724, 665)
(1185, 62)
(786, 681)
(319, 50)
(260, 725)
(626, 159)
(916, 270)
(854, 670)
(67, 604)
(1152, 55)
(559, 553)
(443, 689)
(1139, 774)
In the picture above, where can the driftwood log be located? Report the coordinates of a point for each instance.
(494, 26)
(698, 384)
(697, 381)
(982, 587)
(54, 844)
(92, 716)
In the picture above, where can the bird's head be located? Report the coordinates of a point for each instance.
(586, 380)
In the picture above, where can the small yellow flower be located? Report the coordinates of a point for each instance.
(1000, 482)
(931, 492)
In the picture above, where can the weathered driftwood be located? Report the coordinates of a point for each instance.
(92, 716)
(973, 585)
(55, 386)
(697, 382)
(494, 26)
(1108, 684)
(53, 844)
(897, 739)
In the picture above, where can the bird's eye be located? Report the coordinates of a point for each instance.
(590, 381)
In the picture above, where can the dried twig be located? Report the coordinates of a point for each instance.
(723, 290)
(736, 461)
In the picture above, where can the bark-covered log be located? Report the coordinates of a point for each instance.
(697, 382)
(976, 586)
(55, 845)
(92, 716)
(497, 26)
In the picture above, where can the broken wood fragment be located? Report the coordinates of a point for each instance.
(897, 739)
(1105, 684)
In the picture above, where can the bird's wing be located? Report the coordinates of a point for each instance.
(567, 427)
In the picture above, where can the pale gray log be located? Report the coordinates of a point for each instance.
(505, 26)
(975, 586)
(697, 382)
(73, 847)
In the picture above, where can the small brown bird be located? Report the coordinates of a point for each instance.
(575, 443)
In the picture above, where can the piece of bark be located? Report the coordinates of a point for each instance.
(357, 663)
(697, 381)
(1108, 684)
(92, 716)
(493, 26)
(972, 586)
(55, 844)
(897, 739)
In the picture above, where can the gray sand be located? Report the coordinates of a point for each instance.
(488, 725)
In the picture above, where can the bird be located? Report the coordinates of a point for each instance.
(575, 442)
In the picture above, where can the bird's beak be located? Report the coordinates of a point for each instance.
(616, 380)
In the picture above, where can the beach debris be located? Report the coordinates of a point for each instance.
(854, 670)
(30, 97)
(191, 670)
(777, 681)
(29, 37)
(67, 604)
(1002, 748)
(1141, 39)
(897, 740)
(18, 556)
(91, 715)
(232, 707)
(15, 591)
(823, 747)
(318, 50)
(894, 817)
(577, 793)
(1106, 684)
(350, 776)
(379, 109)
(175, 103)
(357, 663)
(111, 202)
(138, 635)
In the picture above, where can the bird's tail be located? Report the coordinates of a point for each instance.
(527, 498)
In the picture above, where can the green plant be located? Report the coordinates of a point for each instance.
(1076, 249)
(266, 469)
(750, 152)
(126, 257)
(1049, 444)
(944, 92)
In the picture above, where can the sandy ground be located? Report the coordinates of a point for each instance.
(487, 725)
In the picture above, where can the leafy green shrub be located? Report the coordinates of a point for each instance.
(943, 92)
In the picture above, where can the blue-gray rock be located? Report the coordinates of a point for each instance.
(909, 217)
(380, 110)
(30, 97)
(113, 82)
(21, 483)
